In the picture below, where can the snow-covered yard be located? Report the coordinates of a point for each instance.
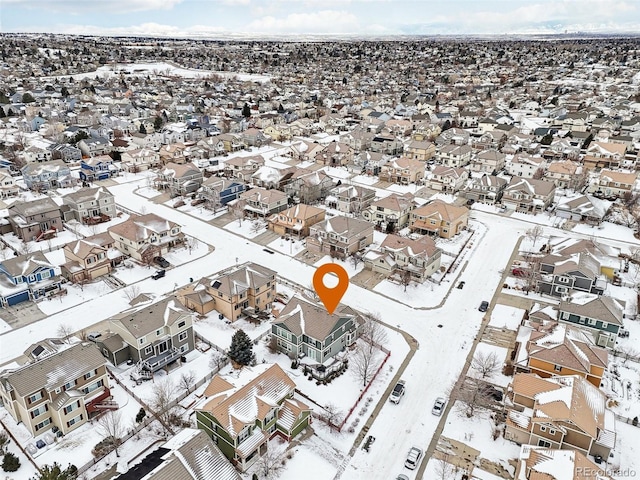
(247, 228)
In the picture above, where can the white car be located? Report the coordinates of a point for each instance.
(397, 393)
(438, 407)
(413, 458)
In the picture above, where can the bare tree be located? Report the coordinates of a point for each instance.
(191, 243)
(26, 248)
(333, 415)
(64, 331)
(486, 364)
(405, 278)
(131, 292)
(535, 233)
(112, 427)
(538, 174)
(217, 360)
(627, 353)
(443, 469)
(187, 380)
(163, 395)
(472, 395)
(356, 259)
(256, 226)
(237, 210)
(363, 362)
(271, 462)
(374, 333)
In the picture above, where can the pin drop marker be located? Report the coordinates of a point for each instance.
(330, 296)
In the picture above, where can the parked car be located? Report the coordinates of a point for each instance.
(460, 285)
(483, 306)
(397, 393)
(161, 262)
(158, 274)
(413, 458)
(438, 406)
(518, 272)
(471, 201)
(402, 477)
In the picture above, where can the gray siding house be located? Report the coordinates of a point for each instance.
(600, 316)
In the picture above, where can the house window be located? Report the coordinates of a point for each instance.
(557, 368)
(543, 428)
(45, 274)
(35, 397)
(74, 420)
(158, 332)
(70, 408)
(544, 443)
(552, 431)
(182, 324)
(148, 350)
(591, 321)
(243, 435)
(604, 325)
(43, 424)
(563, 279)
(39, 411)
(70, 385)
(141, 341)
(87, 376)
(182, 336)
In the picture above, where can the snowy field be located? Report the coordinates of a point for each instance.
(503, 316)
(247, 228)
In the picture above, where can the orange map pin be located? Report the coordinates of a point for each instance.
(330, 296)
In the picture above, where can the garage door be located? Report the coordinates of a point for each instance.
(18, 297)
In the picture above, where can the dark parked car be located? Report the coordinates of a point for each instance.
(484, 306)
(158, 274)
(460, 285)
(161, 262)
(496, 394)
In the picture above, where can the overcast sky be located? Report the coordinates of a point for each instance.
(337, 17)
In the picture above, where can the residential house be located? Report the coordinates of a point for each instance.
(230, 142)
(390, 213)
(35, 220)
(604, 155)
(90, 258)
(172, 153)
(448, 179)
(94, 146)
(489, 161)
(526, 166)
(420, 150)
(307, 186)
(296, 221)
(243, 167)
(155, 333)
(486, 189)
(242, 412)
(140, 159)
(191, 454)
(45, 176)
(28, 277)
(233, 292)
(526, 195)
(99, 167)
(259, 202)
(561, 274)
(564, 173)
(89, 205)
(452, 155)
(601, 316)
(403, 170)
(253, 137)
(550, 348)
(339, 236)
(351, 198)
(57, 390)
(178, 179)
(66, 152)
(417, 259)
(335, 154)
(370, 163)
(563, 412)
(387, 143)
(494, 139)
(305, 329)
(585, 208)
(146, 236)
(439, 218)
(272, 177)
(217, 192)
(36, 153)
(453, 136)
(8, 187)
(552, 464)
(613, 184)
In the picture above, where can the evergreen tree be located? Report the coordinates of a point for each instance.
(246, 111)
(142, 129)
(2, 114)
(55, 472)
(64, 91)
(157, 123)
(10, 462)
(547, 139)
(28, 98)
(241, 349)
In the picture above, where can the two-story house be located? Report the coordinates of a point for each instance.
(488, 161)
(35, 220)
(140, 159)
(526, 195)
(89, 205)
(259, 202)
(28, 277)
(613, 184)
(66, 152)
(600, 316)
(179, 179)
(604, 155)
(563, 274)
(525, 166)
(146, 236)
(339, 236)
(396, 255)
(306, 186)
(296, 221)
(243, 167)
(563, 173)
(439, 218)
(56, 390)
(89, 258)
(45, 176)
(452, 155)
(242, 412)
(403, 170)
(563, 412)
(99, 167)
(448, 179)
(307, 329)
(335, 154)
(390, 213)
(486, 189)
(584, 208)
(420, 150)
(217, 192)
(351, 198)
(94, 146)
(230, 292)
(272, 177)
(157, 333)
(8, 187)
(553, 464)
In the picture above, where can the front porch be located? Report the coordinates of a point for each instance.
(96, 219)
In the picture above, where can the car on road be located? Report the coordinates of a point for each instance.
(438, 406)
(461, 285)
(158, 274)
(402, 477)
(483, 306)
(413, 458)
(397, 393)
(161, 262)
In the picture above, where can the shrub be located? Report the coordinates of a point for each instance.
(634, 422)
(140, 416)
(10, 462)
